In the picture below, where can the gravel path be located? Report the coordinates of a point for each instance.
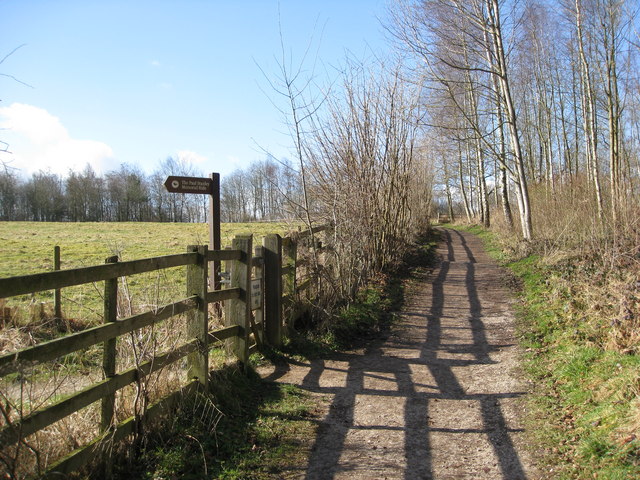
(440, 397)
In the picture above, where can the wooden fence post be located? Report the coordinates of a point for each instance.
(197, 319)
(273, 289)
(238, 310)
(57, 306)
(109, 353)
(214, 238)
(289, 258)
(258, 313)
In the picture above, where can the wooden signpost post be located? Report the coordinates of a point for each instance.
(205, 186)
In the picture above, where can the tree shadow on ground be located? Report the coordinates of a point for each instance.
(453, 305)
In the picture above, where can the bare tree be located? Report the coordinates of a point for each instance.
(235, 198)
(45, 197)
(589, 106)
(367, 174)
(9, 191)
(462, 46)
(176, 207)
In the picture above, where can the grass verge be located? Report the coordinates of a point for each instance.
(244, 429)
(585, 408)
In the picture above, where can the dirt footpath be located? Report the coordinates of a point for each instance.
(440, 397)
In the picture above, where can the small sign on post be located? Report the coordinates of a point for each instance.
(202, 185)
(256, 294)
(206, 186)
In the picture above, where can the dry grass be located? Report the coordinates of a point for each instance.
(41, 385)
(28, 321)
(596, 264)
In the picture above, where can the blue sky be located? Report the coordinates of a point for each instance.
(130, 81)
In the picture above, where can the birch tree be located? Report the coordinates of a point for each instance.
(468, 36)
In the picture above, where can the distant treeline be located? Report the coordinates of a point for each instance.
(266, 190)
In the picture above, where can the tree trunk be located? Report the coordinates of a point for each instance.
(511, 117)
(590, 114)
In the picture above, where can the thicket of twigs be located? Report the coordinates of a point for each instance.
(595, 263)
(363, 171)
(367, 177)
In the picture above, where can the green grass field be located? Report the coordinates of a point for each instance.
(27, 247)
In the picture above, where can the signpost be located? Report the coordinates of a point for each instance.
(204, 186)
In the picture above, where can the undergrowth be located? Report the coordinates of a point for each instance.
(372, 313)
(243, 429)
(579, 327)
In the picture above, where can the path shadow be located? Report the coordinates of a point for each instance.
(455, 276)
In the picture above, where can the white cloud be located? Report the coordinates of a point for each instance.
(154, 63)
(39, 141)
(36, 124)
(192, 157)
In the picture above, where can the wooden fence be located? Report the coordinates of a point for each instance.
(275, 287)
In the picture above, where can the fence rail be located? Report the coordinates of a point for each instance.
(275, 263)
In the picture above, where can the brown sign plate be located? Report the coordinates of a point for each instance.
(189, 185)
